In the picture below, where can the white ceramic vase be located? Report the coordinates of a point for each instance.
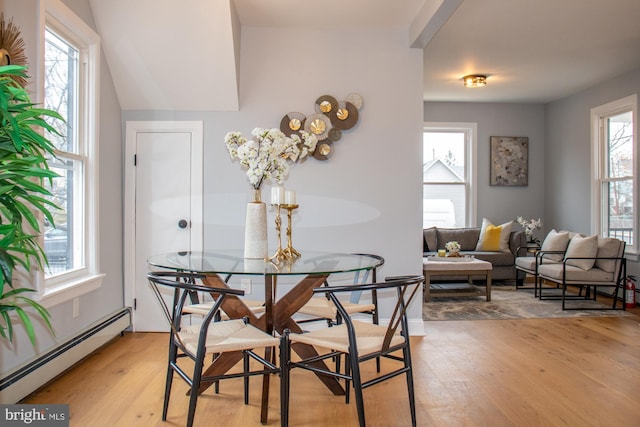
(255, 231)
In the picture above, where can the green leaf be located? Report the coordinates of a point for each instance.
(26, 321)
(25, 151)
(41, 311)
(7, 322)
(6, 265)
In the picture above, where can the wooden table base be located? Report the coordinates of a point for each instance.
(277, 317)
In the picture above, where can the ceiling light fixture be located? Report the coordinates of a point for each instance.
(474, 80)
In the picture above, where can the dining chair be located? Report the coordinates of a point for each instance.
(196, 341)
(321, 308)
(359, 342)
(201, 303)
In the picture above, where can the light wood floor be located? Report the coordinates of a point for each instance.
(535, 372)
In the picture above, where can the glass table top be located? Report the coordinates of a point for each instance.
(233, 262)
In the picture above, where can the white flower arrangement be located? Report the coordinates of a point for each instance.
(453, 246)
(530, 226)
(268, 154)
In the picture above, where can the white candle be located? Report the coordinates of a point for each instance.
(290, 197)
(277, 195)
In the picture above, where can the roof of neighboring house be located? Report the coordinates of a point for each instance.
(432, 167)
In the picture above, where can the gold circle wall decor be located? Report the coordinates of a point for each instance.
(327, 123)
(292, 123)
(325, 104)
(12, 47)
(335, 134)
(323, 150)
(355, 99)
(345, 116)
(319, 125)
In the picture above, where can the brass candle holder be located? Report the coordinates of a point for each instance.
(289, 252)
(280, 255)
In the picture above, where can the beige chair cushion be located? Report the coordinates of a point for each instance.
(369, 338)
(326, 309)
(576, 275)
(528, 263)
(586, 247)
(202, 309)
(608, 248)
(494, 237)
(555, 242)
(228, 335)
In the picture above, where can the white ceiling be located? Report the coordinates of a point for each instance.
(532, 51)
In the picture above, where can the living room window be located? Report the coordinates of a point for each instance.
(614, 192)
(449, 194)
(70, 80)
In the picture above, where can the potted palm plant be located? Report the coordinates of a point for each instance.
(24, 152)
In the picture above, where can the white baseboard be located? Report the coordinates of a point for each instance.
(26, 379)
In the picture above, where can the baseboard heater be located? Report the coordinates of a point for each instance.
(33, 375)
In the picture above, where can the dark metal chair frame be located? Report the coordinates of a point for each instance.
(352, 375)
(537, 284)
(619, 283)
(184, 286)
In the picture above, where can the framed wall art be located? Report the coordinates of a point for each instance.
(509, 160)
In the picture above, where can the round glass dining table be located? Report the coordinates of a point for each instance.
(232, 261)
(316, 267)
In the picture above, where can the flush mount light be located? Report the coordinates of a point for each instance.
(475, 80)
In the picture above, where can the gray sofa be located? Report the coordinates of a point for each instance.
(503, 263)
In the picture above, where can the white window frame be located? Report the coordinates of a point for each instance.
(599, 160)
(471, 171)
(66, 286)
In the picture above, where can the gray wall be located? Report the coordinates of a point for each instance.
(500, 204)
(568, 153)
(367, 196)
(109, 298)
(559, 154)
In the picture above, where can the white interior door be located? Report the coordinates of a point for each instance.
(164, 206)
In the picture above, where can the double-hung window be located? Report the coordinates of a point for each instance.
(449, 192)
(70, 71)
(614, 172)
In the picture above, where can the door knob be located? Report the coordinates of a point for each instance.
(183, 223)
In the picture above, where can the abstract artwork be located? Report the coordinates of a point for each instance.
(509, 160)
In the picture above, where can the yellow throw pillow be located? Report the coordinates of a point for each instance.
(494, 238)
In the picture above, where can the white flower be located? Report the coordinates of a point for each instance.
(529, 225)
(268, 154)
(453, 246)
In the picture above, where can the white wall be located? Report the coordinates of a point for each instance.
(502, 203)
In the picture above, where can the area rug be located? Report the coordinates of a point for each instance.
(508, 303)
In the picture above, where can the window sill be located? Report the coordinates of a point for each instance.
(68, 290)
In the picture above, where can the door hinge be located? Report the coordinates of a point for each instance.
(135, 303)
(135, 160)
